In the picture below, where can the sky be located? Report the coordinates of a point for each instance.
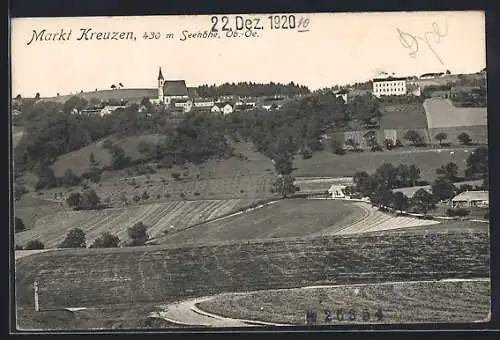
(338, 48)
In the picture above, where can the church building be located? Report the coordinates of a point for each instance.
(169, 90)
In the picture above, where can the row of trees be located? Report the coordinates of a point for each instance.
(76, 238)
(250, 89)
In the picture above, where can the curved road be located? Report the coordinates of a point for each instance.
(186, 313)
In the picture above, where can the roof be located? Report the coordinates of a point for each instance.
(472, 196)
(175, 88)
(389, 79)
(160, 76)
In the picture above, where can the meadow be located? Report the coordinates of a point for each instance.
(136, 275)
(405, 302)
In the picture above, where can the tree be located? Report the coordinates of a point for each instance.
(37, 96)
(414, 137)
(19, 225)
(389, 144)
(337, 147)
(423, 201)
(35, 244)
(382, 197)
(441, 137)
(46, 178)
(89, 200)
(448, 72)
(75, 103)
(284, 186)
(477, 163)
(74, 199)
(413, 174)
(386, 176)
(442, 189)
(119, 158)
(70, 179)
(75, 238)
(138, 234)
(370, 138)
(400, 201)
(464, 138)
(449, 172)
(364, 183)
(147, 149)
(113, 86)
(106, 240)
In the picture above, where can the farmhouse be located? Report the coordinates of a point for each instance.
(224, 108)
(338, 191)
(469, 199)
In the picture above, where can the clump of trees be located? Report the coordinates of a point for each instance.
(88, 200)
(106, 240)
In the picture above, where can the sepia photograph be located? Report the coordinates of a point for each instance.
(249, 171)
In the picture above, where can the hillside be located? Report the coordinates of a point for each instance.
(98, 277)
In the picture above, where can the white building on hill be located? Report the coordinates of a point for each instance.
(389, 86)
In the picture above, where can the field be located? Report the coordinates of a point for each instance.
(326, 164)
(285, 218)
(478, 133)
(441, 114)
(52, 228)
(406, 302)
(407, 116)
(100, 277)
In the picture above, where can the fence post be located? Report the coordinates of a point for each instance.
(35, 286)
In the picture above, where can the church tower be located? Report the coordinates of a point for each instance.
(161, 82)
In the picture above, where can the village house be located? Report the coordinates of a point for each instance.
(469, 199)
(223, 108)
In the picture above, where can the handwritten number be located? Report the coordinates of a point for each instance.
(379, 315)
(328, 315)
(352, 315)
(214, 22)
(340, 314)
(366, 315)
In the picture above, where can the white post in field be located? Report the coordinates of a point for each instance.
(35, 286)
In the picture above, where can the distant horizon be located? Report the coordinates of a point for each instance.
(339, 49)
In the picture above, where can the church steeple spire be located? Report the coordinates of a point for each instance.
(160, 75)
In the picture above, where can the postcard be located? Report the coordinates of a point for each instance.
(250, 170)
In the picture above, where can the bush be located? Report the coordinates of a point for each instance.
(459, 212)
(19, 247)
(19, 225)
(197, 193)
(176, 176)
(75, 238)
(145, 195)
(167, 195)
(106, 240)
(185, 173)
(158, 196)
(35, 244)
(136, 198)
(182, 195)
(74, 199)
(138, 234)
(376, 148)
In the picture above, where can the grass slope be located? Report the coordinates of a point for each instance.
(96, 277)
(409, 302)
(403, 116)
(325, 163)
(51, 229)
(285, 218)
